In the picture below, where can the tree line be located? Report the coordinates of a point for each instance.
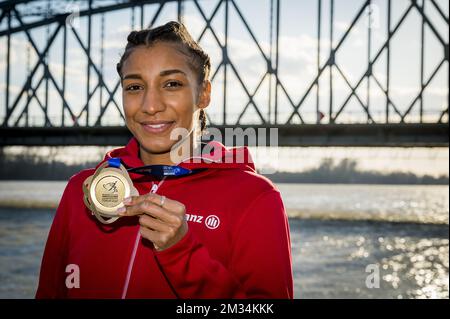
(27, 166)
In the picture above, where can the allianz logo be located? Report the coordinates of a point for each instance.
(211, 221)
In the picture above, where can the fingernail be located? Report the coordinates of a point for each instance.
(121, 210)
(127, 200)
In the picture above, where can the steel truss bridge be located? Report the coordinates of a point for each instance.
(394, 125)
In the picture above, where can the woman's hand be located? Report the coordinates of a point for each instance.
(163, 225)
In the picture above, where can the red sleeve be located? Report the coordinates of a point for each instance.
(260, 265)
(52, 275)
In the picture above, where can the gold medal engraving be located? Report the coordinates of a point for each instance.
(110, 191)
(105, 191)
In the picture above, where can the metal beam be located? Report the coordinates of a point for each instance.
(63, 16)
(373, 135)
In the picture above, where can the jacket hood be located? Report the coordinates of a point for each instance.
(214, 155)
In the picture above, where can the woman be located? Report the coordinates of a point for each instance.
(219, 232)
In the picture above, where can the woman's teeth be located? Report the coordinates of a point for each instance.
(156, 125)
(157, 128)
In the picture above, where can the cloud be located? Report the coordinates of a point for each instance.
(414, 91)
(71, 70)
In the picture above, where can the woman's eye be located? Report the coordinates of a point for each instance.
(133, 87)
(173, 84)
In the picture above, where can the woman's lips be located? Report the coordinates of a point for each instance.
(157, 128)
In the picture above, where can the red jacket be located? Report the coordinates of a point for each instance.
(237, 245)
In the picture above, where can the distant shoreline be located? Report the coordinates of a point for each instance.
(276, 178)
(277, 182)
(329, 171)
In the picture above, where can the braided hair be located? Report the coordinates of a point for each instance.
(173, 32)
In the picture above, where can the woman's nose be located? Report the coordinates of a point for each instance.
(152, 102)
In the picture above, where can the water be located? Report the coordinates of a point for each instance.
(393, 203)
(330, 259)
(23, 233)
(337, 231)
(42, 194)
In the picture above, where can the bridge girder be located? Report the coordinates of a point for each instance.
(17, 116)
(305, 135)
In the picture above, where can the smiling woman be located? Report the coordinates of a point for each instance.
(165, 94)
(216, 228)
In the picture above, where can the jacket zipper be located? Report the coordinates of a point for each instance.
(153, 190)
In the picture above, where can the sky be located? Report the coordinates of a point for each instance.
(297, 63)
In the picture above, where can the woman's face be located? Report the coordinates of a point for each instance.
(160, 93)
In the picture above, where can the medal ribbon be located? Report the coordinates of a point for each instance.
(155, 170)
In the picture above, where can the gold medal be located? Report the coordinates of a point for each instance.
(105, 191)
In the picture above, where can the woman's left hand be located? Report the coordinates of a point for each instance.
(163, 225)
